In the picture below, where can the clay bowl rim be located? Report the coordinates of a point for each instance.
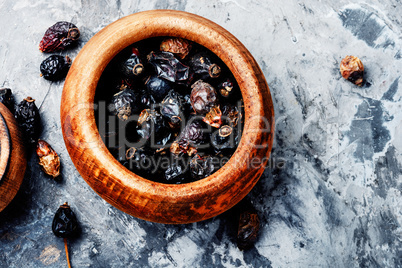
(84, 139)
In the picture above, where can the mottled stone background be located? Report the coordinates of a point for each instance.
(336, 201)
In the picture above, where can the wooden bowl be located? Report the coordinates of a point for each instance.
(13, 160)
(142, 198)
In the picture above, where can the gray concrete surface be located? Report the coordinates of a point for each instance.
(336, 202)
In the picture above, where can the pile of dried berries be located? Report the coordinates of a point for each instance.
(172, 111)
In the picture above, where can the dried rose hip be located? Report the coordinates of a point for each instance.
(158, 87)
(28, 118)
(249, 225)
(124, 104)
(352, 69)
(48, 158)
(168, 67)
(179, 46)
(133, 65)
(58, 37)
(6, 97)
(231, 115)
(225, 88)
(153, 128)
(203, 97)
(55, 67)
(171, 108)
(65, 225)
(189, 139)
(225, 139)
(213, 117)
(201, 64)
(201, 167)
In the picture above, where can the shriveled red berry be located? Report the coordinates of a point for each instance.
(59, 36)
(179, 46)
(352, 69)
(48, 158)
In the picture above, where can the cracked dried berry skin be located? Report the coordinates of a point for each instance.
(158, 87)
(133, 65)
(189, 139)
(201, 64)
(352, 69)
(48, 158)
(168, 67)
(153, 128)
(203, 97)
(178, 46)
(231, 115)
(7, 98)
(28, 118)
(65, 222)
(59, 36)
(55, 67)
(124, 104)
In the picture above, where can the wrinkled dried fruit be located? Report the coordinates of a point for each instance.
(201, 167)
(124, 104)
(168, 67)
(203, 97)
(28, 118)
(133, 65)
(174, 173)
(153, 128)
(201, 64)
(249, 225)
(189, 139)
(6, 97)
(58, 37)
(352, 69)
(225, 88)
(171, 108)
(225, 139)
(231, 115)
(178, 46)
(65, 222)
(55, 67)
(48, 158)
(158, 87)
(213, 117)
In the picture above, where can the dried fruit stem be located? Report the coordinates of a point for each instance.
(67, 256)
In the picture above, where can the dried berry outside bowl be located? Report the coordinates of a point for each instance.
(143, 198)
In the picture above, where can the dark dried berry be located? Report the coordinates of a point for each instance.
(133, 65)
(179, 46)
(153, 128)
(203, 97)
(168, 67)
(65, 223)
(171, 108)
(7, 98)
(146, 100)
(201, 64)
(189, 139)
(201, 167)
(55, 67)
(249, 225)
(48, 158)
(158, 87)
(225, 139)
(231, 115)
(28, 118)
(124, 104)
(58, 37)
(225, 88)
(175, 172)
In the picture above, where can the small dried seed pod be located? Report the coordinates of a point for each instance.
(352, 69)
(177, 46)
(213, 117)
(202, 64)
(133, 65)
(48, 158)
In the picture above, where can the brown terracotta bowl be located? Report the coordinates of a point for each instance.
(142, 198)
